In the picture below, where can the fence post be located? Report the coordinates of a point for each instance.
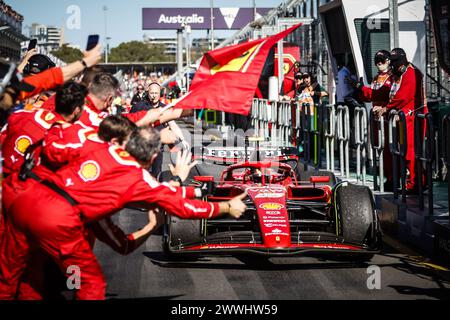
(378, 149)
(446, 152)
(329, 133)
(361, 142)
(398, 145)
(305, 133)
(343, 128)
(426, 143)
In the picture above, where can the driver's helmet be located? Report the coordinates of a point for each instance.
(257, 176)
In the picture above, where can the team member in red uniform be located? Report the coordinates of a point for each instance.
(29, 127)
(100, 182)
(407, 95)
(101, 95)
(114, 129)
(378, 94)
(17, 88)
(25, 128)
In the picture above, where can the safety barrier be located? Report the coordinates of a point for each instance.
(296, 123)
(274, 120)
(361, 130)
(446, 150)
(329, 126)
(343, 138)
(398, 146)
(317, 135)
(377, 137)
(283, 123)
(424, 151)
(305, 120)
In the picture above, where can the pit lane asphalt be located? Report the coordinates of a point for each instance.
(147, 273)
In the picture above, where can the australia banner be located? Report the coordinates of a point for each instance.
(199, 18)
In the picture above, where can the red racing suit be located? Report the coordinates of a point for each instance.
(91, 117)
(62, 144)
(407, 95)
(102, 180)
(23, 129)
(378, 94)
(43, 81)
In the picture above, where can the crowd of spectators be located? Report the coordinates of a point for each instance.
(7, 10)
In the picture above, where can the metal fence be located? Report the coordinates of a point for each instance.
(446, 150)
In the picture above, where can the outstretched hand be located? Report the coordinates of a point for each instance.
(93, 56)
(183, 165)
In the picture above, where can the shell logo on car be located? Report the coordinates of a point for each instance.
(271, 206)
(89, 171)
(22, 143)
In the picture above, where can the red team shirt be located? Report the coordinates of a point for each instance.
(105, 178)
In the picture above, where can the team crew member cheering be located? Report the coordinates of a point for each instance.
(100, 182)
(16, 88)
(113, 129)
(102, 91)
(378, 94)
(407, 95)
(27, 128)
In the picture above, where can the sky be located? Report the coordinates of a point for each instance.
(123, 17)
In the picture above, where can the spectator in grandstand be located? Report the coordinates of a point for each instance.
(312, 92)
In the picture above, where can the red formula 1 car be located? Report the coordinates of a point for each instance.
(285, 215)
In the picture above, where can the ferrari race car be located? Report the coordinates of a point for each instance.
(290, 210)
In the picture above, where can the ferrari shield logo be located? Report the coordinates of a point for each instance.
(89, 171)
(235, 64)
(22, 143)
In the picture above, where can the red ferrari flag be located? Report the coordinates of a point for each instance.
(227, 77)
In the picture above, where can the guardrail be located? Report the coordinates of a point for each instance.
(361, 133)
(274, 120)
(305, 120)
(398, 146)
(329, 127)
(446, 151)
(343, 138)
(377, 137)
(424, 152)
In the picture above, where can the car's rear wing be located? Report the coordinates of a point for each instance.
(225, 155)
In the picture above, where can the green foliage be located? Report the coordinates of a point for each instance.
(136, 51)
(67, 54)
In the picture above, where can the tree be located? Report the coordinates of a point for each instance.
(68, 54)
(136, 51)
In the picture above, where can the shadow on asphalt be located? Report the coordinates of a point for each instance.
(437, 293)
(244, 263)
(147, 298)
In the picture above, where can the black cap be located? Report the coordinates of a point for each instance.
(382, 56)
(38, 63)
(398, 58)
(398, 54)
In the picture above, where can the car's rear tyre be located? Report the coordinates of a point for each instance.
(357, 222)
(179, 232)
